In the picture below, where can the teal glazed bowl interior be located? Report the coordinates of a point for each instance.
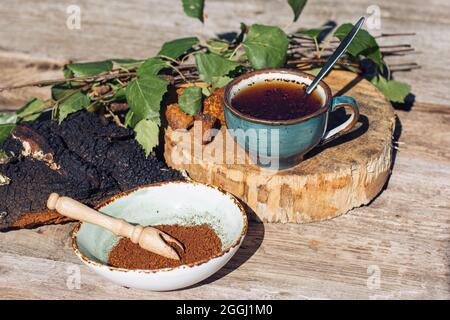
(179, 202)
(279, 144)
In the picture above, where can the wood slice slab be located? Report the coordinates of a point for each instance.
(334, 178)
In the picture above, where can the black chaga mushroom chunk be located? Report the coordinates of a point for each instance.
(30, 140)
(94, 160)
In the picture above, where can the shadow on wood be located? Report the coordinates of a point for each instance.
(348, 86)
(252, 241)
(407, 105)
(395, 139)
(338, 117)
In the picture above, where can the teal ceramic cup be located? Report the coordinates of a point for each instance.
(282, 144)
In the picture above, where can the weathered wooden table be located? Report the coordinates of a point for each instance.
(397, 247)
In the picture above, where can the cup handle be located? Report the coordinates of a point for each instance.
(342, 102)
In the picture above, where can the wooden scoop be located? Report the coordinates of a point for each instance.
(148, 238)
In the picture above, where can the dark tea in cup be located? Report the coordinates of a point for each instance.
(276, 100)
(270, 115)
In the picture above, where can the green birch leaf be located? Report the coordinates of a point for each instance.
(311, 33)
(144, 96)
(206, 92)
(7, 124)
(219, 82)
(89, 69)
(120, 94)
(58, 90)
(297, 7)
(147, 135)
(266, 46)
(156, 119)
(212, 66)
(314, 33)
(8, 118)
(151, 67)
(130, 119)
(219, 47)
(127, 64)
(67, 73)
(72, 103)
(190, 100)
(393, 90)
(5, 131)
(176, 48)
(32, 110)
(363, 44)
(314, 71)
(194, 8)
(61, 93)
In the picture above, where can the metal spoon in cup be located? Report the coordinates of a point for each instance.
(148, 238)
(335, 56)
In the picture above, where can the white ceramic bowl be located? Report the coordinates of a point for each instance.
(179, 202)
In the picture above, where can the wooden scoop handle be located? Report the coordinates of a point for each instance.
(149, 238)
(73, 209)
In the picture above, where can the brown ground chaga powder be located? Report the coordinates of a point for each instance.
(200, 243)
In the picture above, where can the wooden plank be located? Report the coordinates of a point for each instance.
(18, 69)
(403, 234)
(137, 28)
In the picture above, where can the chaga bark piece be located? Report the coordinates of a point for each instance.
(176, 118)
(95, 160)
(214, 104)
(208, 123)
(34, 145)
